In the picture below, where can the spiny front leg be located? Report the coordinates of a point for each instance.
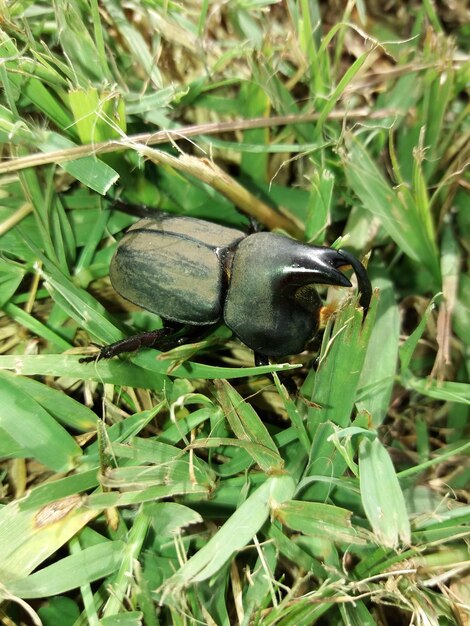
(149, 339)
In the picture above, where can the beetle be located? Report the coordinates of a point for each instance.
(196, 274)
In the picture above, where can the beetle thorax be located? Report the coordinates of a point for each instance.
(261, 305)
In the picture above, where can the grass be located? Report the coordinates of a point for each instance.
(188, 487)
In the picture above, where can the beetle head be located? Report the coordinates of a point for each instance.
(271, 302)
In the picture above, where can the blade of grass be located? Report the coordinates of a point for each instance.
(35, 326)
(34, 429)
(397, 211)
(382, 496)
(99, 116)
(63, 408)
(30, 536)
(378, 373)
(128, 556)
(341, 360)
(247, 426)
(71, 572)
(135, 42)
(90, 171)
(351, 73)
(320, 520)
(237, 531)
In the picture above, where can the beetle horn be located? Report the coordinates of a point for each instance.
(339, 258)
(318, 265)
(363, 281)
(322, 268)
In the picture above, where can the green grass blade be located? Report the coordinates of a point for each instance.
(135, 41)
(247, 426)
(342, 357)
(29, 536)
(237, 531)
(382, 496)
(409, 346)
(319, 520)
(129, 553)
(34, 429)
(35, 326)
(61, 406)
(320, 200)
(113, 371)
(378, 373)
(397, 212)
(99, 116)
(335, 391)
(90, 171)
(71, 572)
(10, 278)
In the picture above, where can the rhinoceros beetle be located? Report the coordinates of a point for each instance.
(195, 273)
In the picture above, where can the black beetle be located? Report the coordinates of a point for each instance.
(198, 273)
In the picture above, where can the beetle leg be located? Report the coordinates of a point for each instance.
(289, 384)
(150, 339)
(139, 210)
(261, 359)
(192, 334)
(255, 226)
(161, 339)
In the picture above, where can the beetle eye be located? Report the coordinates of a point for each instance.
(309, 299)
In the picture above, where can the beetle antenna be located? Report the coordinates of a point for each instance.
(139, 210)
